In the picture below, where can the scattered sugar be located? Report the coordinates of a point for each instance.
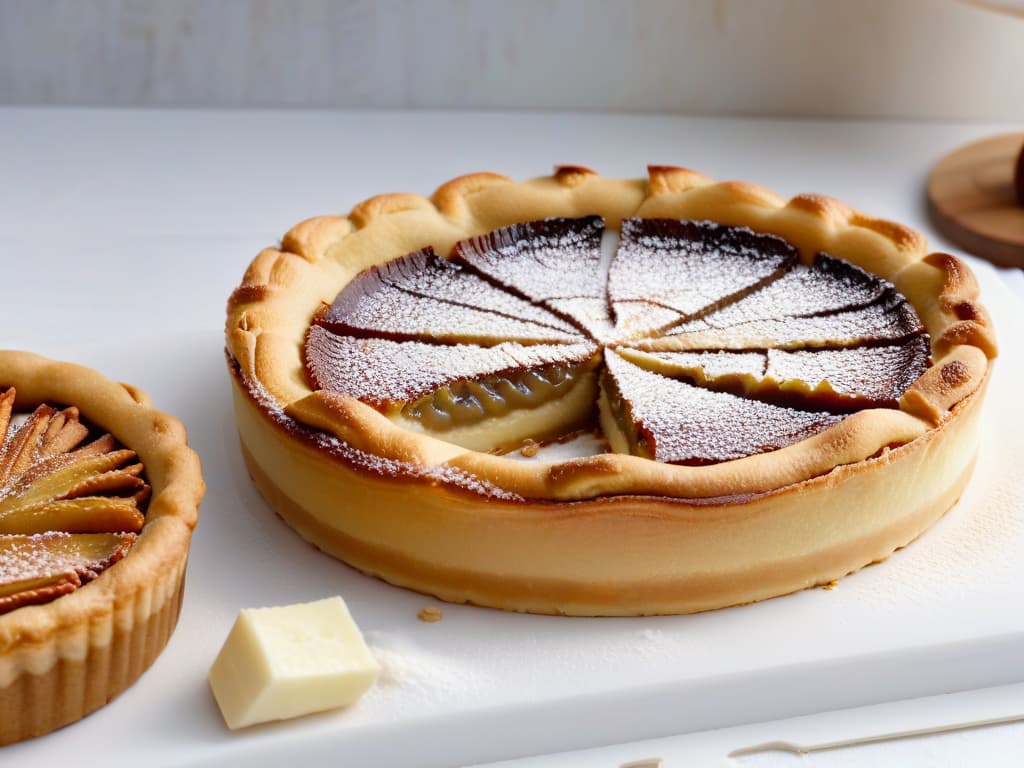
(692, 267)
(411, 669)
(891, 319)
(829, 285)
(550, 259)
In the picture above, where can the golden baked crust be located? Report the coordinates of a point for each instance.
(289, 430)
(61, 660)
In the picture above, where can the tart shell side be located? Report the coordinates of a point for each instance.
(618, 555)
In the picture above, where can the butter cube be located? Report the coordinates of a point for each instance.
(292, 660)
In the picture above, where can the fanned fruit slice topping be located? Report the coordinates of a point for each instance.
(703, 342)
(69, 506)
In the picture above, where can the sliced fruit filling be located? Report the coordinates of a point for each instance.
(67, 510)
(36, 568)
(722, 344)
(440, 388)
(472, 400)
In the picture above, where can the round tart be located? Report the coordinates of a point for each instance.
(98, 498)
(779, 391)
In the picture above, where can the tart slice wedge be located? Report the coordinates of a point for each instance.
(484, 398)
(555, 263)
(837, 379)
(646, 414)
(422, 297)
(688, 269)
(890, 320)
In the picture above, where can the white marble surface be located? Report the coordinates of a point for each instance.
(126, 230)
(898, 58)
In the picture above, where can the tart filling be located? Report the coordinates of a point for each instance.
(422, 296)
(56, 494)
(39, 567)
(815, 466)
(677, 270)
(813, 337)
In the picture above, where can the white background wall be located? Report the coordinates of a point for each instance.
(904, 58)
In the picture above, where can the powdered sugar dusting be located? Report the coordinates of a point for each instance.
(380, 371)
(692, 267)
(550, 259)
(888, 320)
(830, 285)
(27, 557)
(685, 424)
(879, 375)
(415, 671)
(422, 296)
(873, 376)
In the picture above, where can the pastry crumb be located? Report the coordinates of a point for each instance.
(430, 614)
(529, 448)
(831, 585)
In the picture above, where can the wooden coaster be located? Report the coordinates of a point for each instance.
(972, 200)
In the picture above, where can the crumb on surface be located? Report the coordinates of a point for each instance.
(430, 614)
(831, 585)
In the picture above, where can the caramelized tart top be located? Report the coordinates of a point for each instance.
(71, 504)
(717, 343)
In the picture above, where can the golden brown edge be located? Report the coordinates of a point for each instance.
(280, 281)
(134, 603)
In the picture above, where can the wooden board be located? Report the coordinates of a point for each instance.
(973, 201)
